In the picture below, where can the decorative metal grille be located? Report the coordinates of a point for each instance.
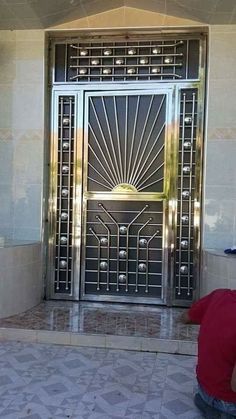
(126, 143)
(184, 285)
(160, 59)
(65, 174)
(124, 251)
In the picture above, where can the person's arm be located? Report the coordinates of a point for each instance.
(184, 318)
(233, 379)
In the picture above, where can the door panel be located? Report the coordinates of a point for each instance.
(125, 196)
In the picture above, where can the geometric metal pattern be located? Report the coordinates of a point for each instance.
(126, 143)
(124, 249)
(78, 61)
(65, 176)
(185, 246)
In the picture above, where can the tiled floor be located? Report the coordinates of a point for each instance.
(105, 319)
(47, 381)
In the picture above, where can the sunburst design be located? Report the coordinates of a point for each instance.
(126, 143)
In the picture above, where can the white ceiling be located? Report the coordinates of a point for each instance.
(35, 14)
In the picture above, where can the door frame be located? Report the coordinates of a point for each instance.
(79, 92)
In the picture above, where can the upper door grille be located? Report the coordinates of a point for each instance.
(175, 59)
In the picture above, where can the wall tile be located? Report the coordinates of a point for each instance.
(222, 45)
(28, 162)
(27, 206)
(6, 162)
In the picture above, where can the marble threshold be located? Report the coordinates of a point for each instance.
(103, 325)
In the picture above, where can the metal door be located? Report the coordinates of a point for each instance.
(125, 195)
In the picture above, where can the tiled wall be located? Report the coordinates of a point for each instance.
(220, 164)
(21, 133)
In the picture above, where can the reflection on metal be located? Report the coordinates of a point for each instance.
(140, 161)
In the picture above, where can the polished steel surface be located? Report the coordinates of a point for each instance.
(141, 145)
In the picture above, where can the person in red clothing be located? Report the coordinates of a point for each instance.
(216, 367)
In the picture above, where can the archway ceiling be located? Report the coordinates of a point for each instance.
(36, 14)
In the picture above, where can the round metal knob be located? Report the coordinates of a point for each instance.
(64, 193)
(63, 240)
(65, 169)
(106, 71)
(185, 219)
(131, 70)
(155, 70)
(186, 170)
(183, 270)
(143, 60)
(66, 121)
(185, 194)
(188, 119)
(83, 52)
(142, 242)
(123, 229)
(63, 264)
(65, 145)
(94, 61)
(107, 51)
(187, 145)
(122, 254)
(103, 266)
(64, 216)
(184, 244)
(142, 267)
(122, 278)
(83, 71)
(168, 60)
(156, 50)
(131, 51)
(104, 241)
(119, 61)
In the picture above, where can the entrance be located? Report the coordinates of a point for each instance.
(125, 185)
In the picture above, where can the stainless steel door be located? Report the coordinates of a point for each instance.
(125, 195)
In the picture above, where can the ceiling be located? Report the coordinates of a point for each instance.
(36, 14)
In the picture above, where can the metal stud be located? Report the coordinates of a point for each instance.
(122, 278)
(187, 145)
(186, 170)
(106, 71)
(103, 266)
(64, 193)
(131, 70)
(65, 169)
(107, 51)
(185, 219)
(183, 270)
(83, 52)
(83, 71)
(184, 244)
(185, 194)
(65, 145)
(168, 60)
(131, 51)
(123, 229)
(143, 60)
(142, 267)
(94, 61)
(122, 254)
(156, 50)
(64, 216)
(66, 121)
(63, 264)
(142, 242)
(63, 240)
(104, 241)
(155, 70)
(119, 61)
(188, 119)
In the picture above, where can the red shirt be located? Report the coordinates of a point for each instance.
(216, 313)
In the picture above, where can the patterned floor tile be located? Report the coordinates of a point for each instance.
(49, 381)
